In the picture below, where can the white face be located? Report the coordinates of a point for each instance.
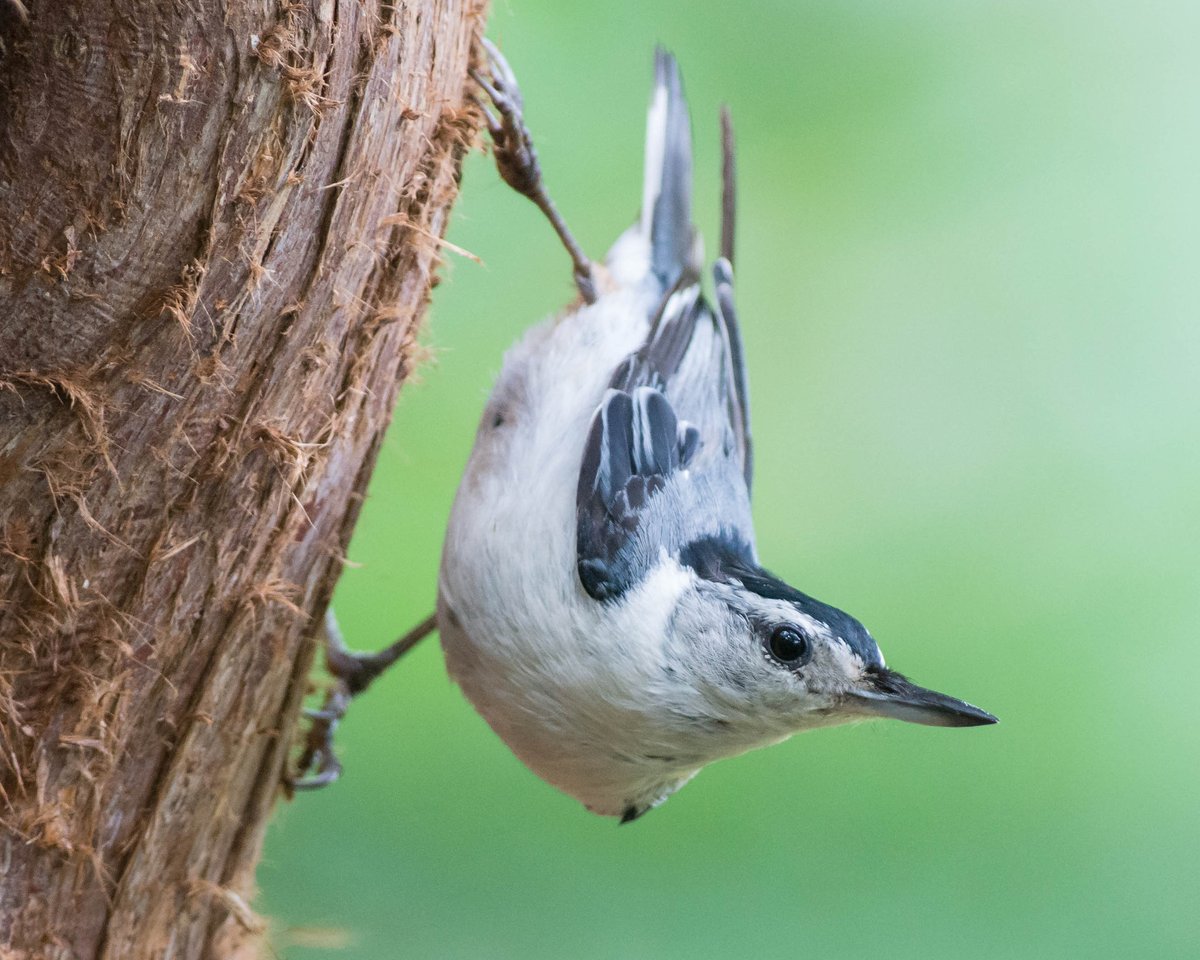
(747, 667)
(759, 669)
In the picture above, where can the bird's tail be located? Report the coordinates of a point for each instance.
(667, 186)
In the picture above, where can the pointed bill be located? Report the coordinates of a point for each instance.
(885, 693)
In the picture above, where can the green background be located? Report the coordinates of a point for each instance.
(967, 277)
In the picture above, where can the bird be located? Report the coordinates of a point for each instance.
(601, 601)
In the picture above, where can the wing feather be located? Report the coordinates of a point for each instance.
(664, 462)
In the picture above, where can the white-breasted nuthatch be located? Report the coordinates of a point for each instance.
(600, 599)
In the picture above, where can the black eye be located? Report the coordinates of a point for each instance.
(789, 646)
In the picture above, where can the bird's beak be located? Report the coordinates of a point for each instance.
(885, 693)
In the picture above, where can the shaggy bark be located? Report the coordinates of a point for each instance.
(219, 225)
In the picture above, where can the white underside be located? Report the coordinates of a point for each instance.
(521, 637)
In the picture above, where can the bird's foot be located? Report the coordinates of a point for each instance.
(512, 146)
(516, 158)
(318, 765)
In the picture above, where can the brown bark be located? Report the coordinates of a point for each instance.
(218, 229)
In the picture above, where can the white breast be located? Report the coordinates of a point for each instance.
(520, 635)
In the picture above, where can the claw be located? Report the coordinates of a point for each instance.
(493, 124)
(493, 94)
(328, 770)
(502, 73)
(318, 765)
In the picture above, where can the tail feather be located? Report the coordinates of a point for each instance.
(667, 187)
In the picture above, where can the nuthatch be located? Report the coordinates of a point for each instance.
(600, 600)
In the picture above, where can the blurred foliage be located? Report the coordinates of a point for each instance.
(967, 272)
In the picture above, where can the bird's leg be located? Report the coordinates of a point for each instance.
(318, 765)
(517, 160)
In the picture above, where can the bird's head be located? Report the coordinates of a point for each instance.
(762, 661)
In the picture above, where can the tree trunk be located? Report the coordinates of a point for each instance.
(219, 227)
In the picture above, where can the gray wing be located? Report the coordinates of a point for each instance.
(666, 463)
